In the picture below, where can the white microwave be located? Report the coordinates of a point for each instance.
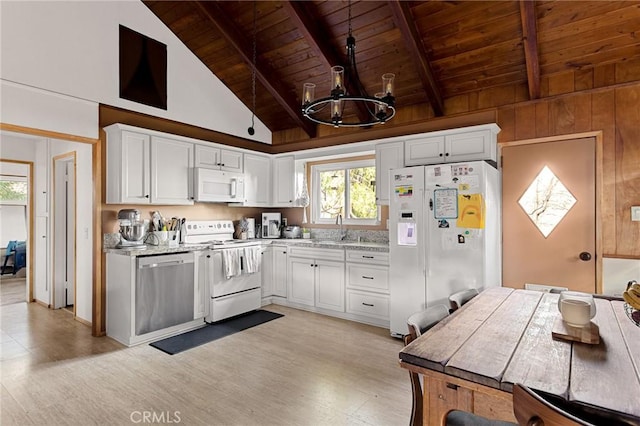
(218, 186)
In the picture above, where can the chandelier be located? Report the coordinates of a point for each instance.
(328, 110)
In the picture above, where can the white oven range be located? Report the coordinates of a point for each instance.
(232, 268)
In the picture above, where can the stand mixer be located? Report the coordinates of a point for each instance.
(131, 229)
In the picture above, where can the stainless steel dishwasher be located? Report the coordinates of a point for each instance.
(164, 291)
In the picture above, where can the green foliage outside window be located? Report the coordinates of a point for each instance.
(12, 190)
(361, 197)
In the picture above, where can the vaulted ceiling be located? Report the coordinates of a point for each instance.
(438, 50)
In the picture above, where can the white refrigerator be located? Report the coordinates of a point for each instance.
(444, 235)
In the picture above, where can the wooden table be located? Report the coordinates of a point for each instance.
(471, 359)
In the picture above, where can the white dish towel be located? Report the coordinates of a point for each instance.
(252, 260)
(231, 262)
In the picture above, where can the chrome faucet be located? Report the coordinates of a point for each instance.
(343, 233)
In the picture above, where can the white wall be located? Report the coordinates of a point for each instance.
(616, 273)
(71, 48)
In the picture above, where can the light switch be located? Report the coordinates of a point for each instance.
(635, 213)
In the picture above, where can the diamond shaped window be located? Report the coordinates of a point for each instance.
(546, 201)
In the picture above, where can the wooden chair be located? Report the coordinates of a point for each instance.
(460, 298)
(532, 410)
(418, 323)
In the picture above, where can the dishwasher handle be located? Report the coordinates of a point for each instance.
(159, 264)
(162, 260)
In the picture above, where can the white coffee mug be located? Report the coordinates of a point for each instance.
(576, 313)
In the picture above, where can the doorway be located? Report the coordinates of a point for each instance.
(15, 213)
(64, 224)
(549, 218)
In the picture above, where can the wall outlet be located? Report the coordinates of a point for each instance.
(635, 213)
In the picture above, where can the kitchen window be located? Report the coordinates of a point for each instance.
(345, 188)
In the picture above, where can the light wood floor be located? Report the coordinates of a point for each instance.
(12, 290)
(301, 369)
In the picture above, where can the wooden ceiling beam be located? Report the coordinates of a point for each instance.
(315, 37)
(224, 23)
(404, 21)
(530, 42)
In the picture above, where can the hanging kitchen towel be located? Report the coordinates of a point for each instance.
(231, 262)
(252, 259)
(470, 211)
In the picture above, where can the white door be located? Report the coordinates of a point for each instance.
(64, 231)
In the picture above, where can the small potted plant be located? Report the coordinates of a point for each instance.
(306, 233)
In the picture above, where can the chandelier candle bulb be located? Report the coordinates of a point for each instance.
(308, 93)
(387, 83)
(337, 76)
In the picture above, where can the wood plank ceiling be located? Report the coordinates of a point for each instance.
(437, 49)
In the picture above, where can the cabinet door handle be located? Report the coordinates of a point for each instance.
(367, 278)
(440, 154)
(367, 304)
(311, 265)
(146, 196)
(367, 257)
(284, 252)
(446, 155)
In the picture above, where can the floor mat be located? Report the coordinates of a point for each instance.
(211, 332)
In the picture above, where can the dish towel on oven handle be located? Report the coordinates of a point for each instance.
(252, 259)
(231, 262)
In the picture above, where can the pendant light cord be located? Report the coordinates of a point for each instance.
(253, 73)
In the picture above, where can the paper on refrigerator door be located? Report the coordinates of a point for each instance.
(407, 234)
(471, 211)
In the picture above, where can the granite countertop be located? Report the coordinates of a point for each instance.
(331, 244)
(334, 244)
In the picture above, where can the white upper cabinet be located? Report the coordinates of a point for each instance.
(128, 167)
(171, 167)
(218, 158)
(389, 156)
(284, 182)
(257, 180)
(147, 170)
(467, 144)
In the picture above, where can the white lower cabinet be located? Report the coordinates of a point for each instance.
(330, 285)
(274, 271)
(266, 271)
(367, 275)
(316, 278)
(302, 283)
(369, 304)
(280, 271)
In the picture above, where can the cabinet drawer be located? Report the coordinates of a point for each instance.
(369, 304)
(368, 277)
(317, 253)
(363, 256)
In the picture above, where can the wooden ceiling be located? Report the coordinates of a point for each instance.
(437, 49)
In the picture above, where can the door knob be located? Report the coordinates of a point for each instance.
(585, 256)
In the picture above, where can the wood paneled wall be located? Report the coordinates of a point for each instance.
(615, 112)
